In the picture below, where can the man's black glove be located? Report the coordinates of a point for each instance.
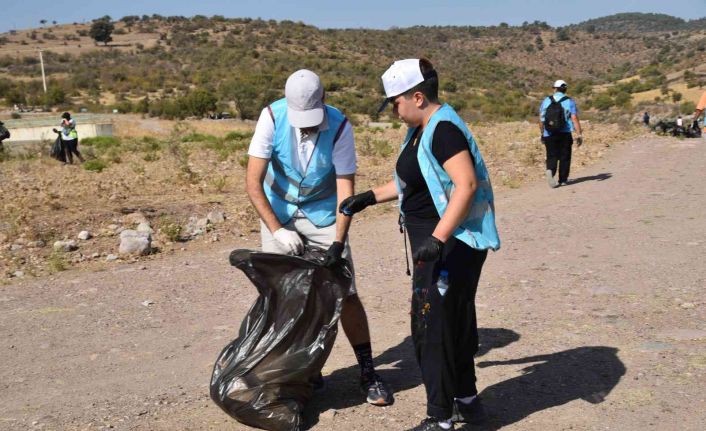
(430, 250)
(357, 203)
(334, 254)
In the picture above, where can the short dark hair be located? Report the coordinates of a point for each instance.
(66, 116)
(430, 86)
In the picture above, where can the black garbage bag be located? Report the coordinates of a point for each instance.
(57, 150)
(694, 131)
(263, 377)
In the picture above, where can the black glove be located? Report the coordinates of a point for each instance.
(333, 255)
(430, 250)
(54, 130)
(357, 203)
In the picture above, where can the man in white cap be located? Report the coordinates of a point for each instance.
(302, 165)
(558, 117)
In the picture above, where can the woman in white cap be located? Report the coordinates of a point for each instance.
(448, 212)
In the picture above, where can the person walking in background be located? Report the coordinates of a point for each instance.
(646, 119)
(69, 138)
(558, 117)
(447, 209)
(699, 110)
(302, 162)
(4, 134)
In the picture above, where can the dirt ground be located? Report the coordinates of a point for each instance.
(592, 317)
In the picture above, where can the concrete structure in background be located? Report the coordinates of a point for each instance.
(37, 130)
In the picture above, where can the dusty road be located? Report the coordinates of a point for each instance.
(592, 314)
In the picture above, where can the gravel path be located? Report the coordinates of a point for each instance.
(592, 317)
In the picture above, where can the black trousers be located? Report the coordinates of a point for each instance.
(444, 328)
(558, 148)
(71, 148)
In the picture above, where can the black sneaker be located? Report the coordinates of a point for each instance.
(472, 413)
(376, 391)
(429, 424)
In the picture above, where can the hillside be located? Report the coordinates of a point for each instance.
(640, 23)
(174, 67)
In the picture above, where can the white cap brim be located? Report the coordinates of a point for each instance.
(401, 76)
(309, 118)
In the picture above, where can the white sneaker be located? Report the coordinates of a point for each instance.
(550, 179)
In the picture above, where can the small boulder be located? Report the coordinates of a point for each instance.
(216, 217)
(135, 219)
(36, 244)
(134, 243)
(84, 235)
(145, 227)
(66, 246)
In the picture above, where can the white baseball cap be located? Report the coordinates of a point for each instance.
(402, 76)
(560, 83)
(304, 94)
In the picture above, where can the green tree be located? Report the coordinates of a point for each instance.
(101, 30)
(199, 102)
(55, 96)
(602, 102)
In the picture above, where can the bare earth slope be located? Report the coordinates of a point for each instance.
(592, 317)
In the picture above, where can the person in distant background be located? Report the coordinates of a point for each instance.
(700, 108)
(4, 134)
(558, 142)
(69, 137)
(680, 121)
(646, 119)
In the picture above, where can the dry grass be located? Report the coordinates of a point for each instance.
(688, 94)
(170, 179)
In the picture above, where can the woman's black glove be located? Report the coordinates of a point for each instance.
(357, 203)
(430, 250)
(334, 254)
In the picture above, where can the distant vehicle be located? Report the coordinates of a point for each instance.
(220, 116)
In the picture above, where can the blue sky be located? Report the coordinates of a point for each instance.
(20, 14)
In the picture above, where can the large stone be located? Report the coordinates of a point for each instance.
(84, 235)
(134, 243)
(66, 246)
(216, 217)
(145, 227)
(135, 218)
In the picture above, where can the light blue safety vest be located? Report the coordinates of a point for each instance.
(314, 193)
(478, 229)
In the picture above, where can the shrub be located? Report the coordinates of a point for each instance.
(602, 102)
(198, 137)
(170, 229)
(219, 183)
(101, 143)
(95, 165)
(57, 261)
(237, 135)
(687, 107)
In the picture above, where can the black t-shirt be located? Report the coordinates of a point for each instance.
(417, 204)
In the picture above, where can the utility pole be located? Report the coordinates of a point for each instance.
(44, 79)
